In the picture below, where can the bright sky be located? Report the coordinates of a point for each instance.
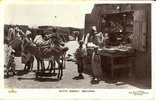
(66, 15)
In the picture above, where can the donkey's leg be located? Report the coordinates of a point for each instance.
(62, 65)
(54, 64)
(60, 68)
(31, 68)
(38, 68)
(25, 67)
(49, 65)
(38, 65)
(42, 65)
(52, 67)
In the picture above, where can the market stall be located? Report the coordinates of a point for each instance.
(111, 59)
(126, 27)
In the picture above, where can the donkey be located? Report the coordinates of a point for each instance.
(44, 53)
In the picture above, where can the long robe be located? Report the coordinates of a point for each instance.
(96, 65)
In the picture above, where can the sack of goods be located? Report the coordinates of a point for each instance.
(91, 45)
(40, 41)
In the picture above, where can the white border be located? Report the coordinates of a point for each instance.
(54, 94)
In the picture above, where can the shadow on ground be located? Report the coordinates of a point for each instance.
(8, 76)
(47, 79)
(42, 77)
(21, 72)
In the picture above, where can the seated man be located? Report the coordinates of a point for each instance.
(53, 41)
(56, 40)
(39, 41)
(42, 44)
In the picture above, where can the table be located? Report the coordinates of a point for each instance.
(115, 63)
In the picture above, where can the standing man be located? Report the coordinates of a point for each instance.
(79, 57)
(93, 42)
(90, 37)
(28, 34)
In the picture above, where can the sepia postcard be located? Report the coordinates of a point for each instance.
(94, 50)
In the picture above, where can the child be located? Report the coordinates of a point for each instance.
(79, 57)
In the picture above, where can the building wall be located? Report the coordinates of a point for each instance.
(143, 59)
(89, 21)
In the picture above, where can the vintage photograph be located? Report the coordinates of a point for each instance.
(89, 46)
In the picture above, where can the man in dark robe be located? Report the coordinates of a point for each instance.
(79, 58)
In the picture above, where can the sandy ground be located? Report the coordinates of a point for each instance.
(28, 80)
